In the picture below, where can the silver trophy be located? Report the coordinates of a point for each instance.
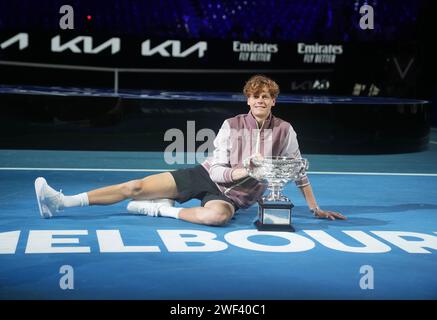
(274, 211)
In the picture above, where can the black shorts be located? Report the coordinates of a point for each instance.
(195, 183)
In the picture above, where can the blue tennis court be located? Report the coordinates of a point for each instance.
(385, 250)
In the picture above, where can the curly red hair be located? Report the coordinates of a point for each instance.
(257, 83)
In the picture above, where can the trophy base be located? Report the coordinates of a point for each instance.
(274, 227)
(274, 215)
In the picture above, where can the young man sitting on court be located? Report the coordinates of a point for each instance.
(221, 182)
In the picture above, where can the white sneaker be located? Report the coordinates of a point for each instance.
(49, 200)
(148, 207)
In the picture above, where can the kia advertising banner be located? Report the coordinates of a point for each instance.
(335, 68)
(129, 52)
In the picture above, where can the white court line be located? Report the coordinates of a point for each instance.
(433, 142)
(376, 173)
(164, 170)
(84, 169)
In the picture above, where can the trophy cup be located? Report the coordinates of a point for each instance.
(274, 210)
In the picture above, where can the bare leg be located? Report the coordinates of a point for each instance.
(215, 212)
(156, 186)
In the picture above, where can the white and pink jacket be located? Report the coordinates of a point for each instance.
(240, 137)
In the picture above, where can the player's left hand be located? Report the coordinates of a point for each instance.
(321, 214)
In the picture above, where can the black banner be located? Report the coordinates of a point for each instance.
(370, 69)
(128, 52)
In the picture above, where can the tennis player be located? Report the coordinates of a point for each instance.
(221, 182)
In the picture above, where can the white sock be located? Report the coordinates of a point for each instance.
(171, 212)
(78, 200)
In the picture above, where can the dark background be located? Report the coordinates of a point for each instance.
(400, 42)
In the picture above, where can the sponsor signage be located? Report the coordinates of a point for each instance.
(319, 53)
(133, 52)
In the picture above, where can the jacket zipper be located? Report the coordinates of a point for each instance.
(257, 151)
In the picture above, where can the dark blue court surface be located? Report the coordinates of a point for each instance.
(385, 250)
(197, 96)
